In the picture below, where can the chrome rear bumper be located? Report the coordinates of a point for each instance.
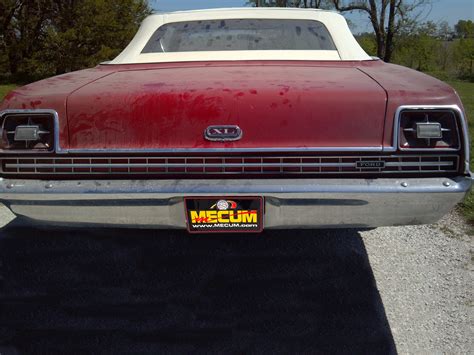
(289, 203)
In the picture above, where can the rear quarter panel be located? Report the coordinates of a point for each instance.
(406, 86)
(52, 94)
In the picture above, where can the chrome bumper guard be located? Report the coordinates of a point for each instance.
(289, 203)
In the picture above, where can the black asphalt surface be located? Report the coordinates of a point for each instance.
(79, 291)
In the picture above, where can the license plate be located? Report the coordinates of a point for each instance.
(224, 214)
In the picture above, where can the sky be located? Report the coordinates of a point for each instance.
(441, 10)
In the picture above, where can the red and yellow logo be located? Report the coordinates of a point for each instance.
(224, 211)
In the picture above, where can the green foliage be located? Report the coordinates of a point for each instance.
(47, 37)
(466, 92)
(316, 4)
(418, 49)
(41, 38)
(465, 29)
(428, 47)
(5, 89)
(464, 57)
(368, 43)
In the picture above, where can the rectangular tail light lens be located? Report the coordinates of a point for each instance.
(27, 131)
(429, 129)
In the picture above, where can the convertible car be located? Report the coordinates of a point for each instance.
(235, 120)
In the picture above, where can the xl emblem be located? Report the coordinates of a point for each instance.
(223, 133)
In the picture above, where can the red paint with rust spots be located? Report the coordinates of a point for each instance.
(330, 110)
(407, 87)
(52, 94)
(277, 104)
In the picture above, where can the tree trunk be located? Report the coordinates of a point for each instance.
(13, 61)
(390, 32)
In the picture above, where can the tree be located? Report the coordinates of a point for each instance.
(464, 48)
(22, 27)
(367, 42)
(386, 16)
(444, 53)
(425, 46)
(313, 4)
(90, 31)
(464, 57)
(445, 32)
(46, 37)
(464, 29)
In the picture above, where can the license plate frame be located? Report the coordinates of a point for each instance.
(224, 214)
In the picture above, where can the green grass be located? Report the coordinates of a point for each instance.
(5, 89)
(466, 92)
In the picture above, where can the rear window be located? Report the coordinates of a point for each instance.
(240, 35)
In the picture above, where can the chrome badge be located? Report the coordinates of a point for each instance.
(377, 164)
(223, 133)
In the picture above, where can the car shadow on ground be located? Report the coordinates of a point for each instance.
(143, 291)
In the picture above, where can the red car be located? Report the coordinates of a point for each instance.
(236, 120)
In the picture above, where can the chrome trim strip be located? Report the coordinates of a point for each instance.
(124, 189)
(171, 165)
(439, 163)
(230, 165)
(229, 150)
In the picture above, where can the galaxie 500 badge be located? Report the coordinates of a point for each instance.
(227, 214)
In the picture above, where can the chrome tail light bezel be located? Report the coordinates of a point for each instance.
(461, 122)
(54, 115)
(456, 126)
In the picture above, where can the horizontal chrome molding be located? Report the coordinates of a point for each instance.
(124, 189)
(227, 150)
(237, 164)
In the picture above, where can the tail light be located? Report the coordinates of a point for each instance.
(25, 131)
(429, 129)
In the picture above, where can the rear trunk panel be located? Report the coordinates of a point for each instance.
(278, 106)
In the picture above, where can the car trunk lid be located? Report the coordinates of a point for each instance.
(275, 106)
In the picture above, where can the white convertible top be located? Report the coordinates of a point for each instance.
(345, 43)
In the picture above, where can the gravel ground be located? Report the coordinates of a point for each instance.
(424, 275)
(397, 289)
